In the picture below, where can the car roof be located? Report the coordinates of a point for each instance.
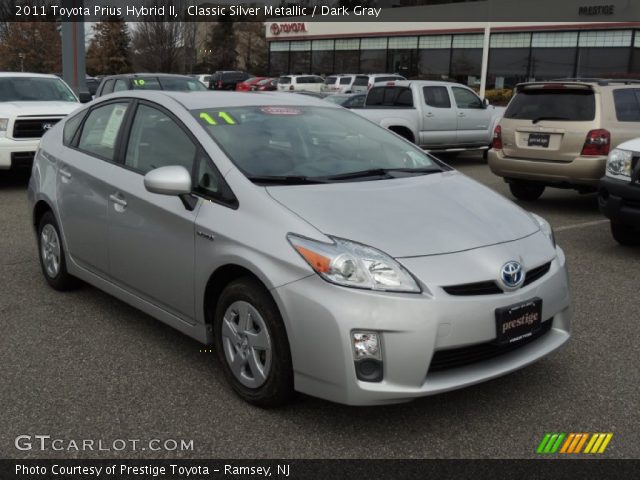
(214, 99)
(135, 75)
(26, 74)
(425, 83)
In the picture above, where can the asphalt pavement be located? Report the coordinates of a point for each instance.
(85, 366)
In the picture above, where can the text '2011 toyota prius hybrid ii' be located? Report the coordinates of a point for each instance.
(316, 250)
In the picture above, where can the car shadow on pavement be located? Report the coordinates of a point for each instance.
(14, 179)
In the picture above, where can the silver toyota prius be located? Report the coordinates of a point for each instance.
(315, 250)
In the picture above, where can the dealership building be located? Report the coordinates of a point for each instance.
(595, 41)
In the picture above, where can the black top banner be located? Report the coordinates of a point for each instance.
(318, 11)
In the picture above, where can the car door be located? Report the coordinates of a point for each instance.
(151, 236)
(439, 117)
(82, 187)
(473, 117)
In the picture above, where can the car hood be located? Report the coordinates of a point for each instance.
(414, 216)
(37, 108)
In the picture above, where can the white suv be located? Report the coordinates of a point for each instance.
(365, 82)
(309, 83)
(30, 104)
(343, 83)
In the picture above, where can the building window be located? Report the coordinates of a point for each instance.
(635, 56)
(604, 53)
(322, 57)
(508, 59)
(466, 58)
(402, 56)
(300, 57)
(278, 58)
(553, 55)
(373, 55)
(347, 55)
(434, 55)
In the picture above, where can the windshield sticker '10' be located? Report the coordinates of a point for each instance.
(224, 116)
(281, 111)
(139, 82)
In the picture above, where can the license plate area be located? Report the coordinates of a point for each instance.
(538, 140)
(518, 321)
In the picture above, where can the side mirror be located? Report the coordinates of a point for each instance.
(485, 102)
(85, 97)
(172, 180)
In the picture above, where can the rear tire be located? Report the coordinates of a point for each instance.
(625, 234)
(526, 191)
(252, 344)
(51, 253)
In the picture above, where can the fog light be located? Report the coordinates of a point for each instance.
(367, 355)
(366, 345)
(369, 370)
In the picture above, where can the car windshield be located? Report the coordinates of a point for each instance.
(304, 144)
(34, 89)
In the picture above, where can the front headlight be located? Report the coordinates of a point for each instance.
(4, 122)
(545, 227)
(619, 162)
(352, 264)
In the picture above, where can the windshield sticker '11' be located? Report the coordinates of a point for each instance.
(210, 118)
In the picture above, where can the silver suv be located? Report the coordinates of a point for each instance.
(316, 250)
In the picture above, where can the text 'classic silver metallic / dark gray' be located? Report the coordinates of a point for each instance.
(317, 251)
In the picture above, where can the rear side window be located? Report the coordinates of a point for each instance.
(108, 87)
(345, 80)
(627, 103)
(330, 80)
(437, 97)
(120, 85)
(553, 104)
(71, 127)
(100, 130)
(284, 80)
(398, 97)
(361, 81)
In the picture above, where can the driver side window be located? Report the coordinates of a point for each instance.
(156, 140)
(466, 98)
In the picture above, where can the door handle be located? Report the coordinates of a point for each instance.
(428, 114)
(65, 173)
(461, 114)
(118, 200)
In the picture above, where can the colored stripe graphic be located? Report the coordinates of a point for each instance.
(573, 443)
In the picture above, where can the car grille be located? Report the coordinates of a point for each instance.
(491, 287)
(22, 159)
(459, 357)
(32, 127)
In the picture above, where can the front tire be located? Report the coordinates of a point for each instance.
(625, 234)
(52, 257)
(526, 191)
(252, 344)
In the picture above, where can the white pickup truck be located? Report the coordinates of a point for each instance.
(437, 116)
(30, 104)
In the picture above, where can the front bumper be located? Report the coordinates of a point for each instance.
(320, 318)
(582, 171)
(17, 153)
(619, 200)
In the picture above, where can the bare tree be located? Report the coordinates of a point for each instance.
(158, 46)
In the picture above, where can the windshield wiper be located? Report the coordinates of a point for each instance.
(381, 172)
(285, 180)
(539, 119)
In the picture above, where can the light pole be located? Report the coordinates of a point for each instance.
(21, 57)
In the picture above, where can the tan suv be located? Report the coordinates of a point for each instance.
(558, 133)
